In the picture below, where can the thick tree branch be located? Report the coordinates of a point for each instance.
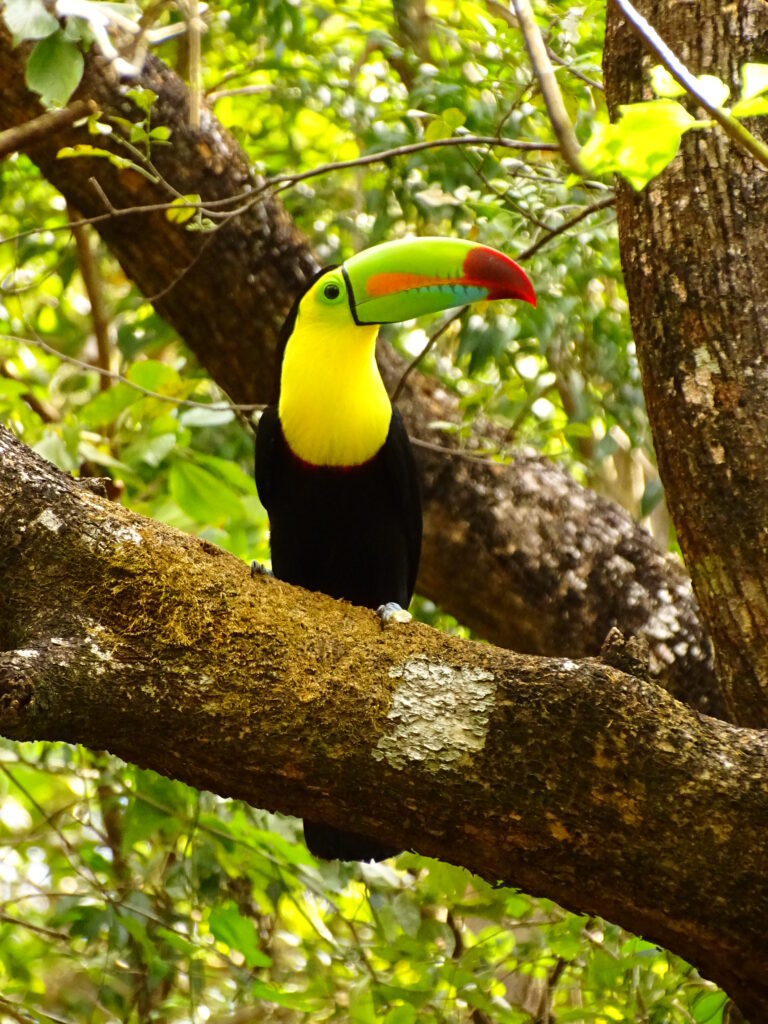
(569, 779)
(546, 566)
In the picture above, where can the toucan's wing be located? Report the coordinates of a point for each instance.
(267, 441)
(405, 480)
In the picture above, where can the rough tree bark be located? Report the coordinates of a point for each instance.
(546, 566)
(569, 779)
(693, 247)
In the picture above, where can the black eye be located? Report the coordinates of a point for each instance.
(331, 291)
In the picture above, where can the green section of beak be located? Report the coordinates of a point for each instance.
(405, 279)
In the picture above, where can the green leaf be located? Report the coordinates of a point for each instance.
(361, 1008)
(453, 117)
(641, 143)
(143, 98)
(183, 208)
(404, 1014)
(155, 376)
(750, 108)
(754, 80)
(107, 405)
(437, 129)
(664, 84)
(28, 19)
(230, 472)
(54, 69)
(229, 926)
(708, 1008)
(198, 493)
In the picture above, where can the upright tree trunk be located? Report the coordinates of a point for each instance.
(693, 247)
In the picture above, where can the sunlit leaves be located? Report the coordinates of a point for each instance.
(754, 86)
(641, 143)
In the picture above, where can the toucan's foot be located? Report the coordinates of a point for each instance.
(257, 569)
(392, 612)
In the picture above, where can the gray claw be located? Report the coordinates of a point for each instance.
(392, 612)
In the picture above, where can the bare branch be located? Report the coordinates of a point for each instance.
(27, 134)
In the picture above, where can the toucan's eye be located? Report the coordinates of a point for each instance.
(331, 289)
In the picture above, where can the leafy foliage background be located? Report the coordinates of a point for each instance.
(127, 896)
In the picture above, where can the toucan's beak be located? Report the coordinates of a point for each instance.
(407, 278)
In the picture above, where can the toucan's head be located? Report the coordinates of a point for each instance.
(333, 406)
(410, 277)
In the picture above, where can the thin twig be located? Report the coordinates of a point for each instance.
(550, 90)
(23, 135)
(415, 362)
(81, 364)
(193, 50)
(243, 90)
(601, 204)
(416, 147)
(730, 125)
(93, 289)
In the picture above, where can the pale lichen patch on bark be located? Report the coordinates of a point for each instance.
(439, 714)
(49, 520)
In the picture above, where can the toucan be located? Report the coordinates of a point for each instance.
(334, 466)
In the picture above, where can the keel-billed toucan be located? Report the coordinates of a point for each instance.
(334, 466)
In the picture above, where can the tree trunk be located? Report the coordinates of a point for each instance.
(546, 566)
(693, 246)
(573, 780)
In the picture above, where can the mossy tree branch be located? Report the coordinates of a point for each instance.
(571, 779)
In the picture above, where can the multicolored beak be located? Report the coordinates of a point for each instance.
(407, 278)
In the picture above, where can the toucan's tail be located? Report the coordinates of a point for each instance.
(335, 844)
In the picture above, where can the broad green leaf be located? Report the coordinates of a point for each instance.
(437, 129)
(750, 108)
(155, 376)
(107, 405)
(202, 496)
(708, 1008)
(754, 80)
(28, 19)
(229, 926)
(641, 143)
(54, 69)
(228, 471)
(453, 117)
(664, 84)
